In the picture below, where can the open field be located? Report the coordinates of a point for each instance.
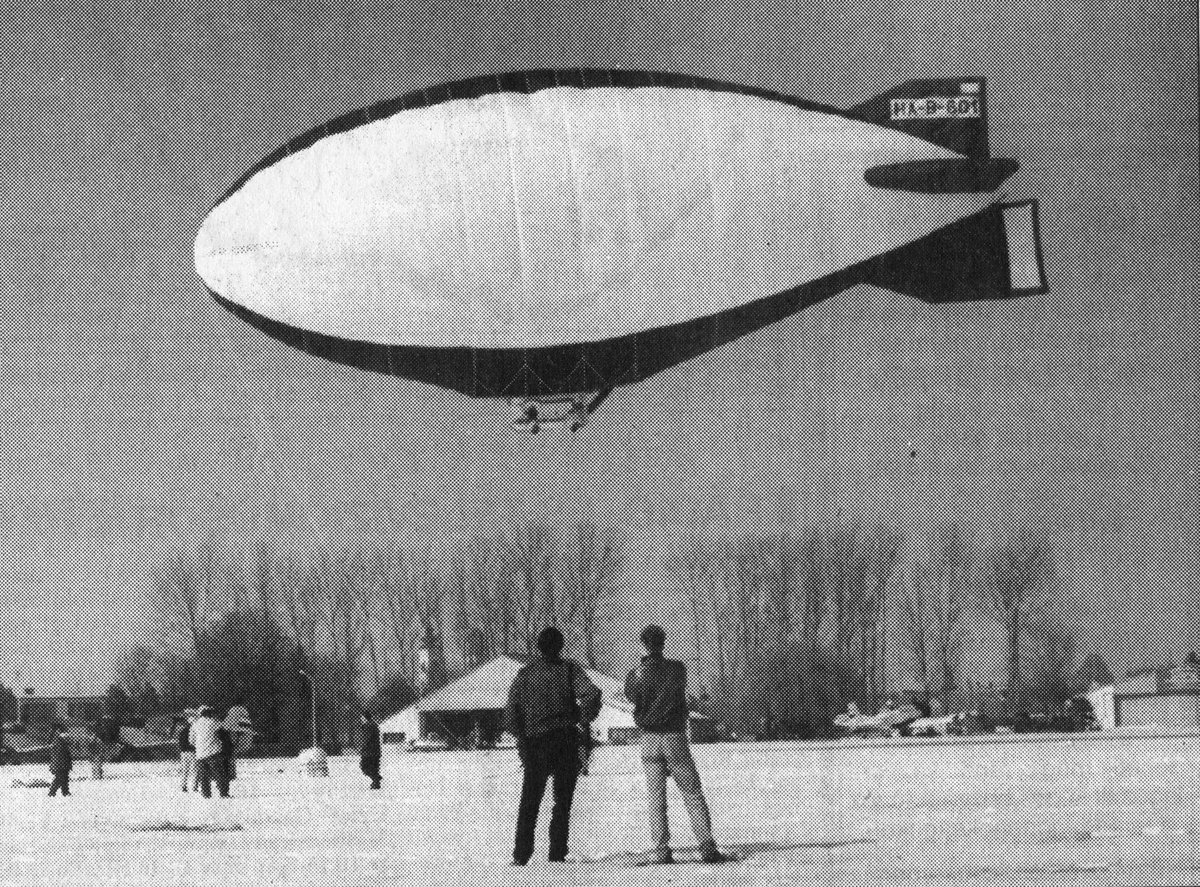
(1078, 810)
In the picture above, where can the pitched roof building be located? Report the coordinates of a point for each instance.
(470, 709)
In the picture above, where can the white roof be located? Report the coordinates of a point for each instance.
(486, 689)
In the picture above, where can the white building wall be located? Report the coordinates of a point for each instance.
(1104, 707)
(610, 717)
(1173, 712)
(406, 722)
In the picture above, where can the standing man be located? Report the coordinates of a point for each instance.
(548, 699)
(60, 761)
(368, 748)
(97, 751)
(208, 750)
(187, 751)
(660, 711)
(224, 759)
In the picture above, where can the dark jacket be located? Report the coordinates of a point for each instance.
(368, 742)
(185, 740)
(225, 738)
(60, 755)
(547, 695)
(656, 689)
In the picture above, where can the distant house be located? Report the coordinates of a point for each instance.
(1165, 698)
(473, 705)
(45, 710)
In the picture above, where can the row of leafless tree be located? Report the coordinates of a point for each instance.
(789, 626)
(275, 631)
(793, 626)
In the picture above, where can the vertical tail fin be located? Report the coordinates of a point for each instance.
(949, 113)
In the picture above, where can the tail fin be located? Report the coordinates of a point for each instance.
(995, 254)
(950, 113)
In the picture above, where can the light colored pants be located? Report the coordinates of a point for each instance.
(187, 769)
(669, 752)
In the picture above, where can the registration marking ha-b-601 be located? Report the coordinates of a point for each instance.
(937, 108)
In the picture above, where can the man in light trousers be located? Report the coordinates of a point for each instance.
(660, 711)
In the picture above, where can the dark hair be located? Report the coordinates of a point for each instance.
(654, 637)
(368, 714)
(550, 642)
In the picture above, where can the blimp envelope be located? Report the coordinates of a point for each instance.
(578, 230)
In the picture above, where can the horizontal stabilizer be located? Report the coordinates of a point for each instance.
(951, 176)
(949, 113)
(995, 254)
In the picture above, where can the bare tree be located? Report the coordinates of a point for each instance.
(883, 547)
(590, 563)
(912, 607)
(180, 598)
(1052, 651)
(349, 633)
(689, 564)
(400, 584)
(530, 554)
(948, 578)
(1017, 572)
(136, 669)
(486, 622)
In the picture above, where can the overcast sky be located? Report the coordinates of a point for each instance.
(139, 417)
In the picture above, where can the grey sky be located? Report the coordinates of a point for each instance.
(138, 416)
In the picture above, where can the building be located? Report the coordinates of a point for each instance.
(470, 709)
(45, 710)
(1164, 698)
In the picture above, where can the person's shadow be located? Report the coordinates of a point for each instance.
(745, 851)
(739, 852)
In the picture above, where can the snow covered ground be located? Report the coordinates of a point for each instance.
(1082, 810)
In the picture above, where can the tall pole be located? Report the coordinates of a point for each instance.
(21, 706)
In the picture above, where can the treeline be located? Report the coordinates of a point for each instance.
(273, 631)
(788, 627)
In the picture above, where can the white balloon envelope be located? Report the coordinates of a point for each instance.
(554, 232)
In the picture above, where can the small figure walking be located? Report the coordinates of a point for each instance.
(369, 748)
(548, 699)
(60, 762)
(187, 753)
(660, 711)
(96, 752)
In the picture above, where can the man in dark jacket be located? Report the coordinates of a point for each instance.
(369, 750)
(660, 711)
(548, 699)
(60, 762)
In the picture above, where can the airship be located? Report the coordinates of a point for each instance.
(549, 236)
